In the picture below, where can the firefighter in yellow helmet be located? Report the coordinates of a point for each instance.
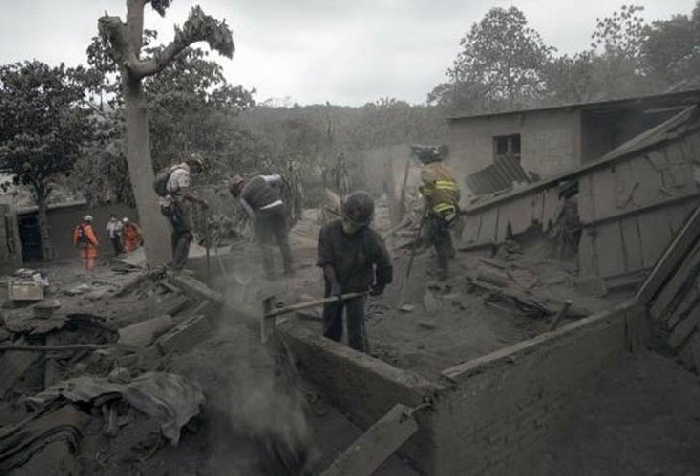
(441, 193)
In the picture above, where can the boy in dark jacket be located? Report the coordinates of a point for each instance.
(354, 259)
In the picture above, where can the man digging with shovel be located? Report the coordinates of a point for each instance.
(354, 259)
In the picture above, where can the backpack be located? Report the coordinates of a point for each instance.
(83, 240)
(160, 183)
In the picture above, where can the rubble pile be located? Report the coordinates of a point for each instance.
(74, 380)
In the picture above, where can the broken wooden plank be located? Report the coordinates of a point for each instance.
(185, 335)
(586, 265)
(604, 192)
(550, 208)
(684, 329)
(174, 304)
(695, 348)
(13, 365)
(671, 258)
(143, 333)
(197, 289)
(632, 244)
(685, 305)
(608, 248)
(489, 222)
(373, 447)
(586, 212)
(655, 234)
(678, 281)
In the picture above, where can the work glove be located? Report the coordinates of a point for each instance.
(376, 289)
(336, 290)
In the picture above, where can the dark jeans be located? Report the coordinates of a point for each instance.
(180, 242)
(117, 245)
(438, 234)
(355, 314)
(272, 225)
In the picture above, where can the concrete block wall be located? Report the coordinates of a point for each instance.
(550, 140)
(363, 387)
(504, 405)
(491, 415)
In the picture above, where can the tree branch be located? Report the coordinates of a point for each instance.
(198, 27)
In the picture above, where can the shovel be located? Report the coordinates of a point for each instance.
(269, 314)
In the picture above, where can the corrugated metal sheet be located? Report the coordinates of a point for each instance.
(498, 176)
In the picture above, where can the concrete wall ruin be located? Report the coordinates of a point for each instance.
(630, 203)
(491, 415)
(550, 140)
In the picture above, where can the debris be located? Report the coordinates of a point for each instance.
(44, 309)
(169, 398)
(560, 315)
(493, 276)
(13, 365)
(78, 290)
(25, 291)
(407, 308)
(523, 303)
(97, 294)
(144, 333)
(371, 449)
(684, 329)
(185, 335)
(591, 286)
(430, 302)
(119, 375)
(427, 325)
(44, 442)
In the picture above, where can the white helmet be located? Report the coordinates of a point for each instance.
(87, 218)
(125, 219)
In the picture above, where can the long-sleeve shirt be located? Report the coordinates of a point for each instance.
(358, 259)
(114, 228)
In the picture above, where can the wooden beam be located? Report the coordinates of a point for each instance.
(373, 447)
(669, 262)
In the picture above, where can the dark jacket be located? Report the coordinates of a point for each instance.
(359, 260)
(258, 193)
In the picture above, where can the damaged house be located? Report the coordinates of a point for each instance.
(494, 150)
(618, 179)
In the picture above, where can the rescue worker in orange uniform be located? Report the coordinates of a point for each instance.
(442, 194)
(85, 238)
(133, 238)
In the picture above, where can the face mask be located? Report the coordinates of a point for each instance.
(350, 227)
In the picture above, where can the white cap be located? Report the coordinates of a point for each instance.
(87, 218)
(125, 219)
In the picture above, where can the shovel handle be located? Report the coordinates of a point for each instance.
(303, 305)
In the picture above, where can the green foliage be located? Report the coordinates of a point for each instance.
(202, 27)
(504, 63)
(191, 106)
(671, 51)
(44, 125)
(501, 64)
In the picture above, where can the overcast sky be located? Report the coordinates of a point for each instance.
(345, 52)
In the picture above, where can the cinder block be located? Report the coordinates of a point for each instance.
(185, 335)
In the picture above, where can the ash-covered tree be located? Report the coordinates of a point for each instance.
(501, 65)
(125, 42)
(44, 128)
(671, 50)
(192, 108)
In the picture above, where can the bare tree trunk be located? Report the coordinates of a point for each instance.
(47, 250)
(155, 227)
